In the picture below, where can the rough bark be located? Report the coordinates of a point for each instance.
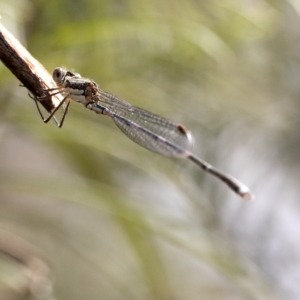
(27, 69)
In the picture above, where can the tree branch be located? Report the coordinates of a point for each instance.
(36, 273)
(27, 69)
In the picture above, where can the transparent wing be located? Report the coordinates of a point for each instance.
(146, 129)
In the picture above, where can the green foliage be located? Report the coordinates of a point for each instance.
(117, 221)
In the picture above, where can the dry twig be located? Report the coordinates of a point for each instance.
(27, 69)
(37, 279)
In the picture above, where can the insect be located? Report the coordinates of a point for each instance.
(148, 130)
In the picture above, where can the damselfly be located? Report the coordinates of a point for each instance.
(150, 131)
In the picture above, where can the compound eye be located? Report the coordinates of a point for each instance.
(58, 75)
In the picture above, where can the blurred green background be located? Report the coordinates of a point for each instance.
(116, 221)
